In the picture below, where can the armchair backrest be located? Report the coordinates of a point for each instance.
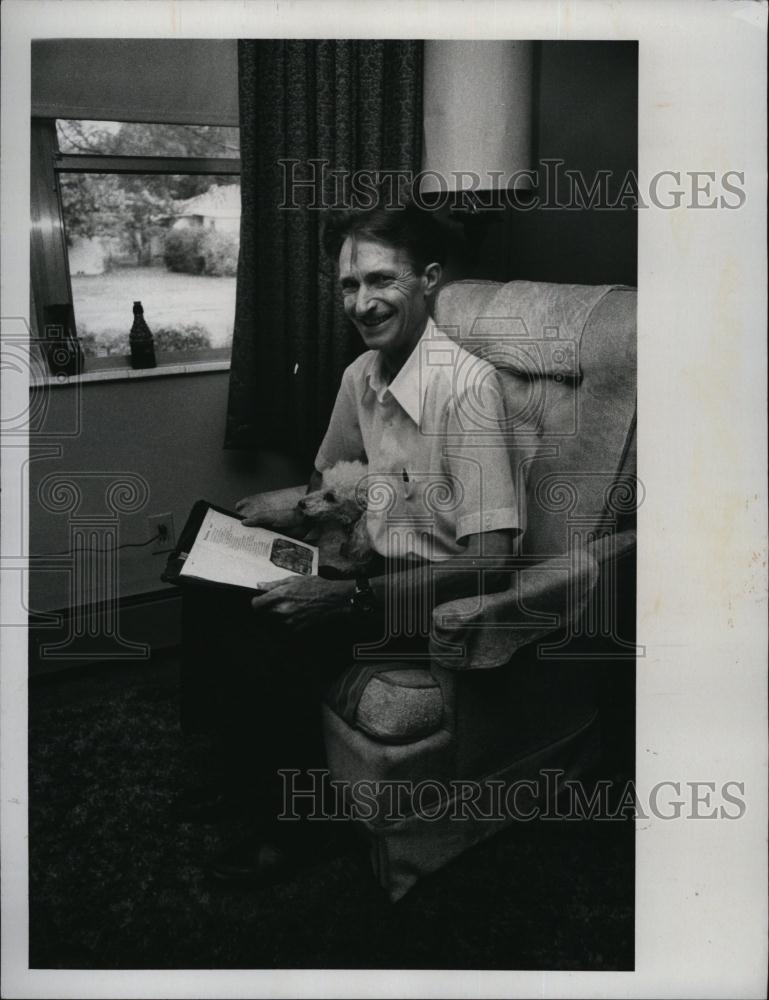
(566, 355)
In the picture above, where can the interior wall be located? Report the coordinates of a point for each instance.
(586, 114)
(164, 432)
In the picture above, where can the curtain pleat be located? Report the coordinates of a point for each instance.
(358, 105)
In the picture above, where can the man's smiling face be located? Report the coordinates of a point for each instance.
(383, 296)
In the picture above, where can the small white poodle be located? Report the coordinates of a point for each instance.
(338, 508)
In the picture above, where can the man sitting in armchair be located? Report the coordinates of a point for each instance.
(414, 407)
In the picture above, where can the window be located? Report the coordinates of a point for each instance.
(125, 212)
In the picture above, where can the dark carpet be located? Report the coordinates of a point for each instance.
(116, 884)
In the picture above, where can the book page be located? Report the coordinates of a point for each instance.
(227, 551)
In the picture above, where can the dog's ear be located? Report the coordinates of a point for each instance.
(358, 546)
(361, 494)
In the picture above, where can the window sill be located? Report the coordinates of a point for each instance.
(125, 374)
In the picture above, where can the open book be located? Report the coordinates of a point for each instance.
(216, 547)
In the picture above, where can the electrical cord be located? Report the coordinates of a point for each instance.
(126, 545)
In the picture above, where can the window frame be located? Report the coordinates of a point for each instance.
(49, 256)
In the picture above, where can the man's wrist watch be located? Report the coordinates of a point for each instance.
(363, 600)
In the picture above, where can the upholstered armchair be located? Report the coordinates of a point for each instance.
(503, 710)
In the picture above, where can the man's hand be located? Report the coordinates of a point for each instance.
(304, 601)
(278, 509)
(261, 511)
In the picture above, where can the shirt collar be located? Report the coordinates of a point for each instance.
(409, 385)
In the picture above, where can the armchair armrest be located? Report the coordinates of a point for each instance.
(613, 545)
(483, 632)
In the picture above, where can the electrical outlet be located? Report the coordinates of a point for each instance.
(162, 525)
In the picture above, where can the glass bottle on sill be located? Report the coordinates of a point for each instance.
(60, 344)
(141, 342)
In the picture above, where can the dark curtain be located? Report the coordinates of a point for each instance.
(357, 104)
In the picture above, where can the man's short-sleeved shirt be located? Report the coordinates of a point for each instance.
(433, 438)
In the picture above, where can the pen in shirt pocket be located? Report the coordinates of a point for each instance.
(406, 484)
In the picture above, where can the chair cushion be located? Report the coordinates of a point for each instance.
(566, 356)
(530, 328)
(388, 702)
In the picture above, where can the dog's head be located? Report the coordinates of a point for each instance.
(341, 498)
